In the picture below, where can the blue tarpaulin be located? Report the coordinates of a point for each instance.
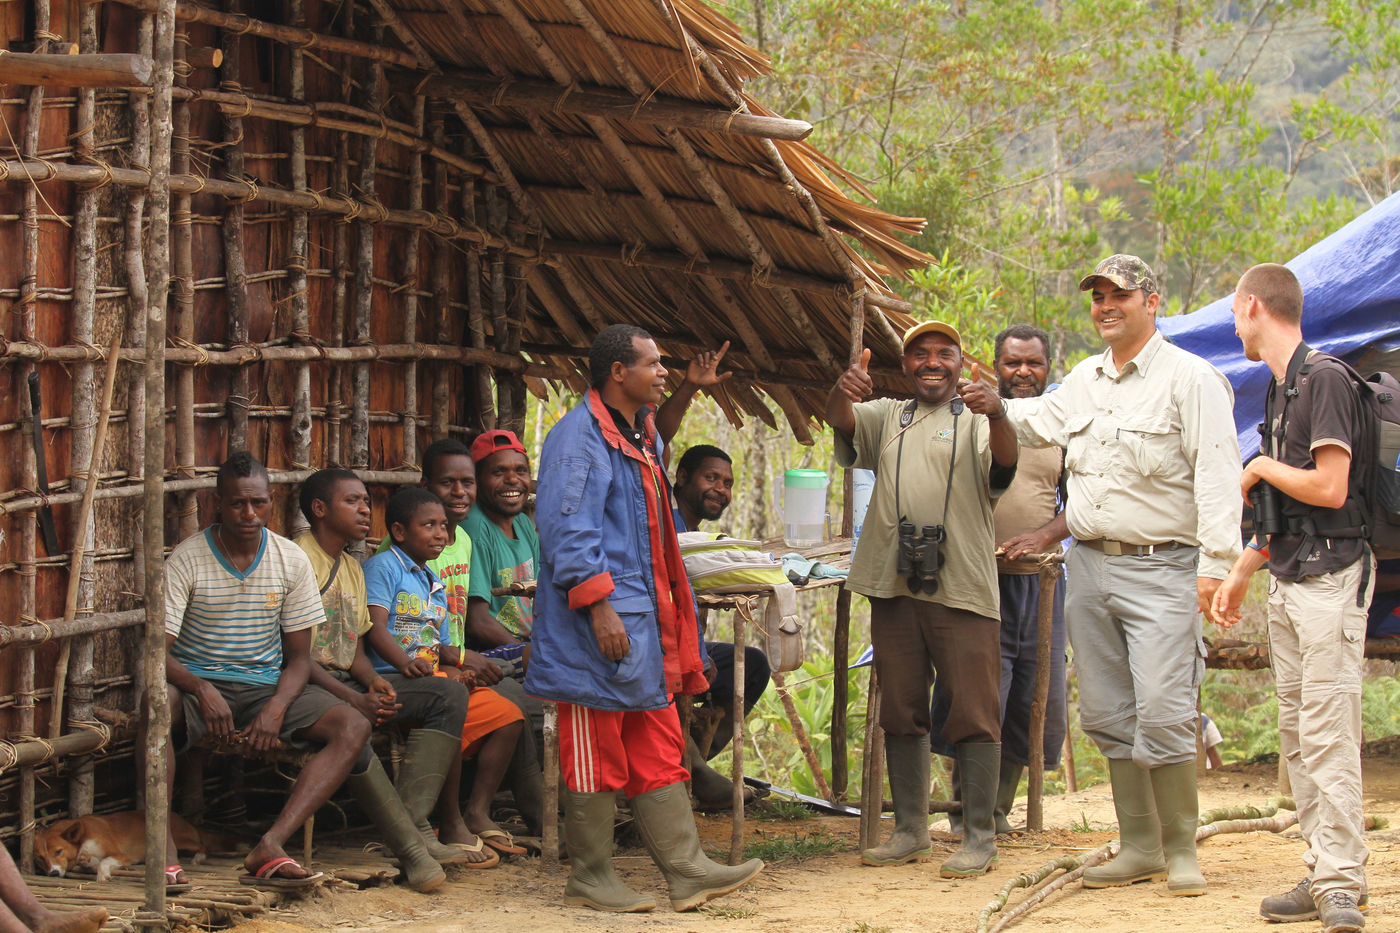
(1351, 304)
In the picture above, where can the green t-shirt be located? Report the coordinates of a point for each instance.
(500, 561)
(453, 565)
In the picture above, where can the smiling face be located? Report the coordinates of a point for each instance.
(454, 482)
(503, 482)
(1124, 318)
(1022, 368)
(425, 534)
(346, 513)
(243, 506)
(933, 363)
(705, 493)
(643, 381)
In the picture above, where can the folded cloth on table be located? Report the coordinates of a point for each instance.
(800, 570)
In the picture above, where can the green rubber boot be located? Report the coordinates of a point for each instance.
(1007, 785)
(1174, 788)
(588, 830)
(427, 756)
(979, 764)
(1139, 856)
(907, 760)
(379, 799)
(668, 829)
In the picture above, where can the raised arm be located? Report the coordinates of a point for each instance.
(852, 386)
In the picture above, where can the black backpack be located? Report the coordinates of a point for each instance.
(1373, 510)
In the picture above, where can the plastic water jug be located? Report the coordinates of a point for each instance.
(804, 507)
(862, 486)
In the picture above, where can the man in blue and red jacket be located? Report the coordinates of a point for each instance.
(615, 634)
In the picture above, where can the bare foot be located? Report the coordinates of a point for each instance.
(267, 851)
(87, 921)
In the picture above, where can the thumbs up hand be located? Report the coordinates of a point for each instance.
(855, 383)
(978, 396)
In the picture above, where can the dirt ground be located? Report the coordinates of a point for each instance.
(834, 893)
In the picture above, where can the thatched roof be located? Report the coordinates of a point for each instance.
(619, 130)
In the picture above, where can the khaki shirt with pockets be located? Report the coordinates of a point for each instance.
(1150, 451)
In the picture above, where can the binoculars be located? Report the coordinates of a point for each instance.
(1268, 518)
(918, 559)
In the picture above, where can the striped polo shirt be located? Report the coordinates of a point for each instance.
(228, 624)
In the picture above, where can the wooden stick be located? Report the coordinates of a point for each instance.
(97, 70)
(156, 706)
(483, 415)
(364, 276)
(872, 784)
(203, 57)
(800, 733)
(298, 258)
(79, 669)
(137, 307)
(443, 257)
(235, 265)
(15, 634)
(28, 754)
(80, 546)
(549, 832)
(841, 662)
(340, 286)
(497, 208)
(187, 12)
(596, 101)
(410, 301)
(736, 742)
(182, 312)
(1045, 615)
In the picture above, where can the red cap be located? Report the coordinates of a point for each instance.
(492, 441)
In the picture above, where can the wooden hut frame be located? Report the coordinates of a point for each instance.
(329, 232)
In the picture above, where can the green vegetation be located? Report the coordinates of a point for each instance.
(792, 847)
(728, 911)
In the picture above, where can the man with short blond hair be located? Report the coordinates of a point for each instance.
(1322, 578)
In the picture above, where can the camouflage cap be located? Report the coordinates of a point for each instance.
(1125, 271)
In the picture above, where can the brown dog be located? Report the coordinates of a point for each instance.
(103, 843)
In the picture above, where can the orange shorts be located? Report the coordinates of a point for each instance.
(487, 711)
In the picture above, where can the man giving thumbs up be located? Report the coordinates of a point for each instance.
(926, 563)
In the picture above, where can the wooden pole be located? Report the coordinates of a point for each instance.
(410, 301)
(443, 257)
(497, 211)
(137, 307)
(1045, 614)
(364, 275)
(28, 300)
(594, 101)
(183, 323)
(58, 628)
(297, 262)
(549, 833)
(841, 662)
(79, 669)
(736, 743)
(872, 782)
(235, 265)
(484, 416)
(87, 70)
(80, 539)
(156, 705)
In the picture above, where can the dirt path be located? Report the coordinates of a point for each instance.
(834, 893)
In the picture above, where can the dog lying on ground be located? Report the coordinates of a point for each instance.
(103, 843)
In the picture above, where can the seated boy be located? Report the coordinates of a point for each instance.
(240, 604)
(404, 593)
(337, 507)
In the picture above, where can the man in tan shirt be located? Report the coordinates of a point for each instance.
(925, 561)
(1154, 506)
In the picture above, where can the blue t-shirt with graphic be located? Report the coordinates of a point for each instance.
(416, 602)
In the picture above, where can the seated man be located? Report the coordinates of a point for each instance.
(337, 507)
(240, 606)
(704, 484)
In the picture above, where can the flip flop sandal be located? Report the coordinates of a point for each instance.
(173, 884)
(267, 878)
(501, 841)
(480, 846)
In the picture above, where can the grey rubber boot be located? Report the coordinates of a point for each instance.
(379, 799)
(526, 782)
(588, 832)
(1139, 855)
(427, 756)
(1174, 789)
(955, 819)
(907, 760)
(979, 764)
(668, 829)
(1007, 784)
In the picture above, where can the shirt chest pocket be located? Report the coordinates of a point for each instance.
(1148, 444)
(1080, 444)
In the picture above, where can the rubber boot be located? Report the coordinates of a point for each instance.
(712, 790)
(907, 760)
(379, 799)
(1139, 855)
(955, 819)
(1007, 785)
(668, 829)
(427, 756)
(526, 783)
(1174, 788)
(588, 832)
(979, 763)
